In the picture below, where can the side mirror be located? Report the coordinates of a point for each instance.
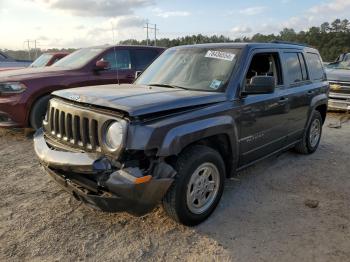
(101, 65)
(260, 85)
(137, 74)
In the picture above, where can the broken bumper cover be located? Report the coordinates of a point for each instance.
(119, 191)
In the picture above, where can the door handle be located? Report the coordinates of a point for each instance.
(283, 100)
(130, 76)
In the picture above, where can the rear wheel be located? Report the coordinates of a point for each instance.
(312, 135)
(38, 112)
(198, 186)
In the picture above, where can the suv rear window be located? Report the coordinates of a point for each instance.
(142, 58)
(315, 66)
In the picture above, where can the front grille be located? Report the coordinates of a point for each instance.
(342, 87)
(74, 125)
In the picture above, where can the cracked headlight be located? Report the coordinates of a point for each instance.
(12, 88)
(115, 135)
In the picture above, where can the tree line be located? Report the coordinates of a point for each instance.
(331, 39)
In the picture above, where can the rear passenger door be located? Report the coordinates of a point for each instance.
(299, 90)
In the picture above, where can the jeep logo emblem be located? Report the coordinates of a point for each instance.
(74, 97)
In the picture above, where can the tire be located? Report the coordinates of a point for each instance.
(308, 145)
(177, 203)
(38, 112)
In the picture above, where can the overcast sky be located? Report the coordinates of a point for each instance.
(80, 23)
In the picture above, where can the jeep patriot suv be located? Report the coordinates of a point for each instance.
(196, 116)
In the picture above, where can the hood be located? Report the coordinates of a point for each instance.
(30, 73)
(139, 100)
(342, 75)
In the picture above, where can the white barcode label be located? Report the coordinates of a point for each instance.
(220, 55)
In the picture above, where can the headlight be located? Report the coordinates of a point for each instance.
(115, 133)
(12, 88)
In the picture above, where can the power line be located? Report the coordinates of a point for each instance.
(151, 27)
(28, 42)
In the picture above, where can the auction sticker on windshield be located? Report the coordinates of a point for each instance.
(220, 55)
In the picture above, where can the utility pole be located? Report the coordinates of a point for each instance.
(147, 27)
(155, 35)
(28, 46)
(36, 50)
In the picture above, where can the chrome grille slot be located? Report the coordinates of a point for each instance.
(76, 126)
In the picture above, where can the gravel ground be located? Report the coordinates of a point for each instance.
(263, 215)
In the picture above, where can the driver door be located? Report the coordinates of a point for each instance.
(263, 117)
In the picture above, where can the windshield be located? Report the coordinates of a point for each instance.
(192, 68)
(41, 61)
(339, 65)
(78, 58)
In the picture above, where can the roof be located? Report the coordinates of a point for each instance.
(57, 53)
(126, 46)
(274, 45)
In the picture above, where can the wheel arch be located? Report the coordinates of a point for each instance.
(219, 133)
(35, 97)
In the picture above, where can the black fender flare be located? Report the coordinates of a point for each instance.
(181, 136)
(321, 99)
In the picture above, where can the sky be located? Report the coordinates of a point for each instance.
(81, 23)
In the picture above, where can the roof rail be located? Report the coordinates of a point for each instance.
(288, 43)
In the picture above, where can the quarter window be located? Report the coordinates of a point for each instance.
(142, 58)
(315, 66)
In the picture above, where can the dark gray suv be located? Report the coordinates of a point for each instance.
(197, 115)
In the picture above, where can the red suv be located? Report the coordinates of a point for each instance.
(48, 59)
(24, 93)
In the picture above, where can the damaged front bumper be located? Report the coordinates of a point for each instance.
(338, 101)
(94, 181)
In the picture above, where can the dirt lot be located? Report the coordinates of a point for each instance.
(262, 216)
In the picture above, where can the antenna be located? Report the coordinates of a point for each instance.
(115, 54)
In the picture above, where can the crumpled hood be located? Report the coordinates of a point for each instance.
(139, 100)
(30, 73)
(342, 75)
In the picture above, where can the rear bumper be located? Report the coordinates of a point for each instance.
(91, 180)
(339, 101)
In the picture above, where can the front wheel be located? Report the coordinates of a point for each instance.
(198, 185)
(38, 112)
(312, 135)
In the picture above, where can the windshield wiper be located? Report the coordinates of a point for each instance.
(168, 86)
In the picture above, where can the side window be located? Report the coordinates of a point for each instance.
(315, 66)
(142, 58)
(265, 64)
(120, 59)
(295, 67)
(303, 67)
